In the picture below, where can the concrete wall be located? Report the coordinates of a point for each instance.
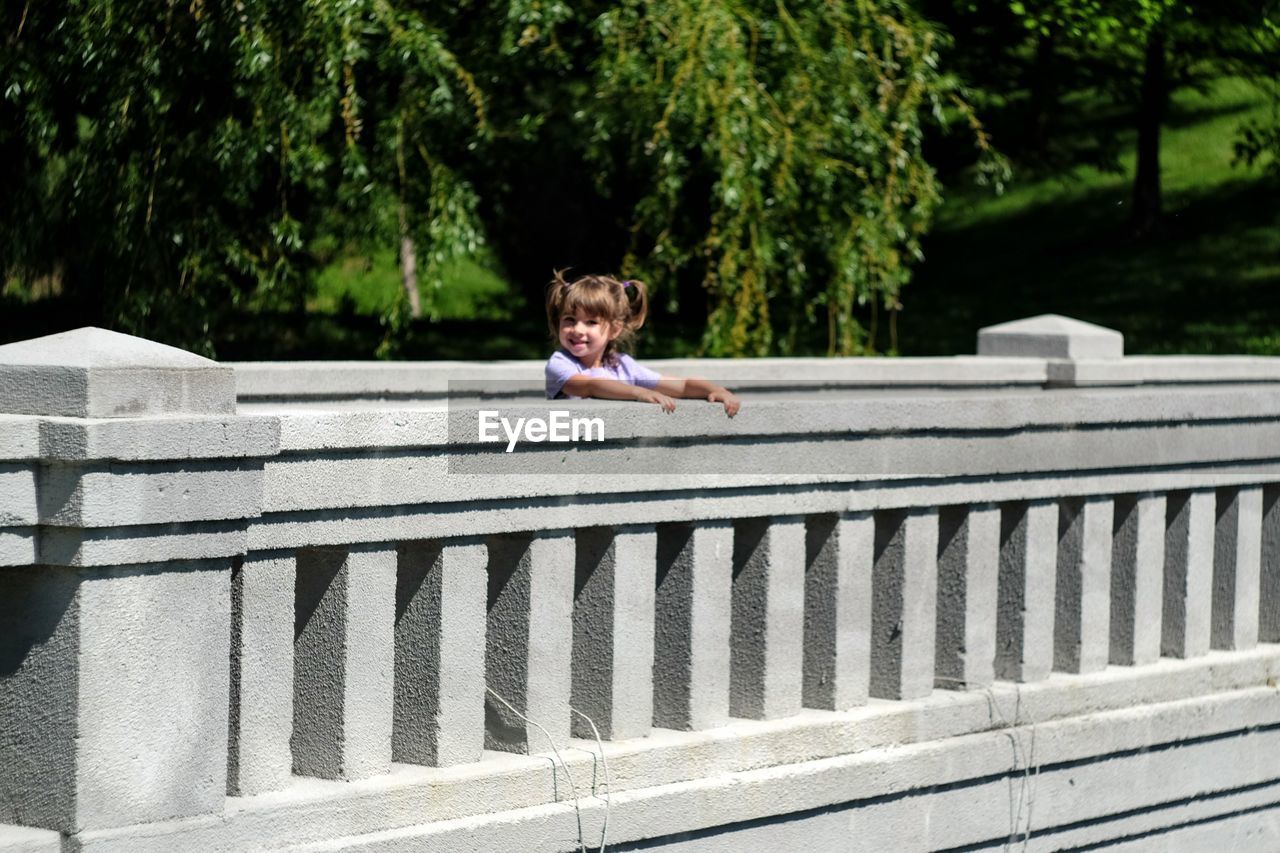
(933, 604)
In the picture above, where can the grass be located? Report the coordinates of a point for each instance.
(1209, 282)
(356, 284)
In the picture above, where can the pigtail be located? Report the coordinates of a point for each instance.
(637, 294)
(557, 294)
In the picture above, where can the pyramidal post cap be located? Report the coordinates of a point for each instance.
(1050, 336)
(96, 373)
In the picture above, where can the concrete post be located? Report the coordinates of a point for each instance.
(904, 600)
(439, 652)
(1024, 621)
(343, 662)
(613, 630)
(262, 600)
(767, 658)
(968, 569)
(1137, 578)
(691, 625)
(839, 555)
(529, 640)
(1188, 574)
(1237, 558)
(1082, 622)
(1269, 609)
(118, 639)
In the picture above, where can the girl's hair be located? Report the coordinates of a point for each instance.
(622, 303)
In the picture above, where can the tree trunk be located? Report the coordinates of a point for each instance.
(409, 266)
(1151, 112)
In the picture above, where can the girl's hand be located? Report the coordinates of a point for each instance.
(731, 403)
(647, 395)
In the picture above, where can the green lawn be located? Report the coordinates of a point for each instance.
(371, 285)
(1209, 283)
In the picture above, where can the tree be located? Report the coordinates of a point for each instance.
(1137, 52)
(171, 162)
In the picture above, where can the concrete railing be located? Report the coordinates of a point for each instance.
(889, 594)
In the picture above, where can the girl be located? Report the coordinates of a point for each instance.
(590, 317)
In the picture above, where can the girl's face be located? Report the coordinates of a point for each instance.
(585, 337)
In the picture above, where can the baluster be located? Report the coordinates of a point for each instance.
(968, 569)
(1082, 620)
(1137, 569)
(342, 686)
(1188, 574)
(1269, 594)
(904, 601)
(1237, 557)
(766, 675)
(529, 641)
(613, 630)
(691, 625)
(262, 621)
(439, 666)
(839, 554)
(1024, 621)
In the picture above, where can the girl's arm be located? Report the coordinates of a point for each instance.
(613, 389)
(699, 389)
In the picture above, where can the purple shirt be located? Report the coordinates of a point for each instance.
(562, 367)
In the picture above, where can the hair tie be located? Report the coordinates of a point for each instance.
(626, 284)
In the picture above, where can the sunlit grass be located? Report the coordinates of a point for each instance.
(1209, 282)
(371, 284)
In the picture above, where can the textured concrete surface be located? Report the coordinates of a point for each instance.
(1050, 336)
(1269, 615)
(1137, 578)
(262, 636)
(17, 546)
(96, 373)
(968, 568)
(158, 543)
(1237, 558)
(1188, 573)
(766, 669)
(1082, 620)
(1024, 618)
(692, 607)
(1162, 370)
(839, 555)
(764, 581)
(343, 662)
(126, 494)
(83, 659)
(22, 839)
(904, 601)
(165, 438)
(39, 668)
(528, 641)
(328, 380)
(412, 800)
(439, 652)
(17, 495)
(613, 629)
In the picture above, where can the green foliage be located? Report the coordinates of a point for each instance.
(1209, 283)
(781, 149)
(170, 161)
